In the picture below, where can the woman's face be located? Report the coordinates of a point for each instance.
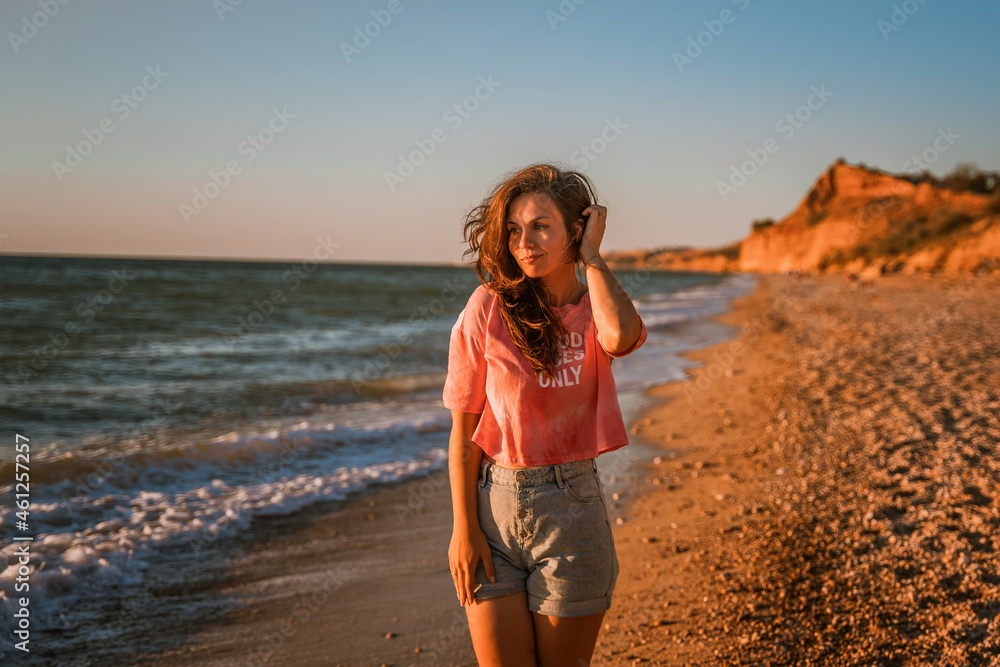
(538, 239)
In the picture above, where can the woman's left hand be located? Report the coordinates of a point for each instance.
(590, 247)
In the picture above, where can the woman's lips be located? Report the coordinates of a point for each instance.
(530, 260)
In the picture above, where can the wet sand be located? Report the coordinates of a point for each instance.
(825, 489)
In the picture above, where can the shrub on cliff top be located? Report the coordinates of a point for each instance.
(967, 177)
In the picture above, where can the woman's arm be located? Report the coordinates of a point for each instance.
(614, 315)
(468, 543)
(464, 457)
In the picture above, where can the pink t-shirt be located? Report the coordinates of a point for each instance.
(527, 418)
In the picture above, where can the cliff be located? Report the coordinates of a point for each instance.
(851, 219)
(718, 260)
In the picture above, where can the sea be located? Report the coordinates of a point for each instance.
(161, 405)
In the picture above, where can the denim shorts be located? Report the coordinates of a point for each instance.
(549, 535)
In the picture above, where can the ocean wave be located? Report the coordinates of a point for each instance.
(86, 543)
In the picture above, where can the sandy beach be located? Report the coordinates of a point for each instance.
(823, 489)
(837, 496)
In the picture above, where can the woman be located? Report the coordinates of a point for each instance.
(533, 404)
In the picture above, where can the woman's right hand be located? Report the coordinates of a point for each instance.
(468, 546)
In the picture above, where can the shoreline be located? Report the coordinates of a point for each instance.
(214, 611)
(662, 589)
(254, 596)
(342, 545)
(707, 574)
(412, 517)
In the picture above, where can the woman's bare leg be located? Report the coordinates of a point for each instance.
(502, 632)
(566, 642)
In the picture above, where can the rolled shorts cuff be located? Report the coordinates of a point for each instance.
(564, 608)
(491, 590)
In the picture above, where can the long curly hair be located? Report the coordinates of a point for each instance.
(525, 305)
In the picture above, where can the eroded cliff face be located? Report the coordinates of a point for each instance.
(851, 206)
(854, 218)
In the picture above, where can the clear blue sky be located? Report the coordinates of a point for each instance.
(680, 129)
